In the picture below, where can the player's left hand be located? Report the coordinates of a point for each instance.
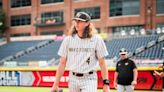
(134, 83)
(106, 88)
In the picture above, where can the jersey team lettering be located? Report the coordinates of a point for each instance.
(81, 49)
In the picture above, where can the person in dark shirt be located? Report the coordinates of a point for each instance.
(126, 73)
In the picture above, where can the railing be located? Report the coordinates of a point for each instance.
(49, 21)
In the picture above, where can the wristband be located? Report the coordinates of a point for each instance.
(106, 82)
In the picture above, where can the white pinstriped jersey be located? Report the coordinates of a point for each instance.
(82, 54)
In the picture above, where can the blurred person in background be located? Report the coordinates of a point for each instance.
(161, 74)
(125, 77)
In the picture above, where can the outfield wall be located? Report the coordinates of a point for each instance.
(46, 76)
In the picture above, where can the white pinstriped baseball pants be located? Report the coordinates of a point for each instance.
(86, 83)
(122, 88)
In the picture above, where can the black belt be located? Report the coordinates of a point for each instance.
(81, 74)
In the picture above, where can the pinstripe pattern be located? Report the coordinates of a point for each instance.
(81, 58)
(86, 83)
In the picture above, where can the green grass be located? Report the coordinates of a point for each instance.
(43, 89)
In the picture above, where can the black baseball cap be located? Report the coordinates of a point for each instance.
(82, 16)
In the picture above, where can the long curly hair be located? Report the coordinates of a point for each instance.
(89, 31)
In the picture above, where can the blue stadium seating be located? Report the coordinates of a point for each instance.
(113, 46)
(46, 53)
(131, 44)
(13, 47)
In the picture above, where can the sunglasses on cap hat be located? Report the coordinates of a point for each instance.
(123, 51)
(82, 16)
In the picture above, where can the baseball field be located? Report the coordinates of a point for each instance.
(45, 89)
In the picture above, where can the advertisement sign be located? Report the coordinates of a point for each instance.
(47, 78)
(146, 80)
(9, 78)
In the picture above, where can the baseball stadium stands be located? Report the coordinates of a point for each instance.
(131, 44)
(46, 50)
(14, 47)
(46, 53)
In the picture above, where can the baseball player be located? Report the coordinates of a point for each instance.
(81, 52)
(125, 77)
